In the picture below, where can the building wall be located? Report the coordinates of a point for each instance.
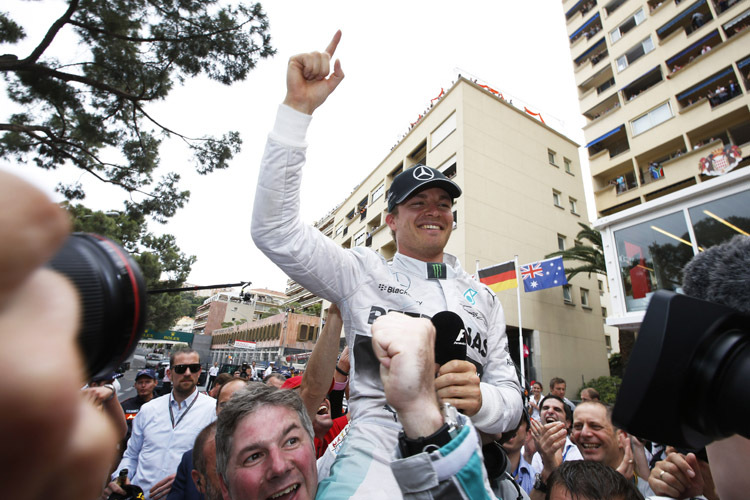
(502, 165)
(697, 126)
(694, 120)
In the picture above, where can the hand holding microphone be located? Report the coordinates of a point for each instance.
(457, 382)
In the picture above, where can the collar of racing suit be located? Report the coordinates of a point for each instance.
(425, 270)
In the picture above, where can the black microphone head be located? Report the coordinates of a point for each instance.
(450, 337)
(721, 274)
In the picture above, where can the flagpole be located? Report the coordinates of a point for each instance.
(520, 323)
(476, 269)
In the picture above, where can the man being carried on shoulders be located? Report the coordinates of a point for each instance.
(421, 280)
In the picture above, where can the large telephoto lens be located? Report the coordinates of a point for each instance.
(112, 295)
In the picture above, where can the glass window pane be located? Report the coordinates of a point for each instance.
(651, 257)
(719, 220)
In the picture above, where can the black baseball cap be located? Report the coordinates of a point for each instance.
(417, 178)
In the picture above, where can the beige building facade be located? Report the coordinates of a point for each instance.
(663, 85)
(522, 195)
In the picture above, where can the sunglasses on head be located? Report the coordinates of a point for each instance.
(180, 369)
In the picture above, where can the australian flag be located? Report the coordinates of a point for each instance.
(544, 274)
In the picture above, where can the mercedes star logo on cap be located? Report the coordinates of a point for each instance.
(422, 173)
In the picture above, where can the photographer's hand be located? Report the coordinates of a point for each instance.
(55, 444)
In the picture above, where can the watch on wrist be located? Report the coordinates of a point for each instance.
(449, 430)
(539, 484)
(112, 388)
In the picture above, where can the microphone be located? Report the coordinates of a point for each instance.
(450, 337)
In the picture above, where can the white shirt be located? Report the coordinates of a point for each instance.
(155, 447)
(213, 371)
(268, 371)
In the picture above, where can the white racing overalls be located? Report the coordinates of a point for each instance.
(365, 286)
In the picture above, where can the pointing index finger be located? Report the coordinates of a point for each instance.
(334, 43)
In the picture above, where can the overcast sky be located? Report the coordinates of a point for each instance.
(397, 55)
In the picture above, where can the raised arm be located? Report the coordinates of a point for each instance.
(320, 367)
(278, 230)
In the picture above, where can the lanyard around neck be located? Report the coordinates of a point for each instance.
(171, 415)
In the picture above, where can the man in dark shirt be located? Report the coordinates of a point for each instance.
(145, 386)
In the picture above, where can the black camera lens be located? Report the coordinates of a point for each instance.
(112, 295)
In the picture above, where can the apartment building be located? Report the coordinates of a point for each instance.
(228, 307)
(276, 338)
(663, 85)
(523, 195)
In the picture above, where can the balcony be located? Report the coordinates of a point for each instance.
(688, 21)
(581, 7)
(588, 30)
(699, 49)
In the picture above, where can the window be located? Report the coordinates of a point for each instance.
(443, 130)
(608, 342)
(455, 219)
(551, 156)
(568, 165)
(560, 242)
(567, 294)
(604, 312)
(584, 298)
(339, 229)
(651, 119)
(556, 198)
(573, 205)
(601, 285)
(359, 238)
(628, 25)
(378, 192)
(628, 58)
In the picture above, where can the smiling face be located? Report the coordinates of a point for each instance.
(553, 411)
(423, 224)
(595, 435)
(536, 390)
(271, 460)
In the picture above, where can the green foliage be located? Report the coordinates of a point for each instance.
(591, 256)
(616, 368)
(162, 263)
(607, 388)
(90, 111)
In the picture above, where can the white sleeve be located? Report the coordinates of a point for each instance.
(300, 250)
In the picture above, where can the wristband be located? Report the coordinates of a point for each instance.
(340, 386)
(342, 372)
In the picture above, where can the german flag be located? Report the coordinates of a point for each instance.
(499, 277)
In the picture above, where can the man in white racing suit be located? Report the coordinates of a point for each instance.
(421, 280)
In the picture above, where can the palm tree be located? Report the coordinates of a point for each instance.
(592, 256)
(592, 259)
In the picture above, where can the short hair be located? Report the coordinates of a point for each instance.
(222, 378)
(536, 382)
(274, 375)
(221, 388)
(182, 350)
(607, 409)
(245, 402)
(199, 459)
(593, 393)
(555, 381)
(552, 396)
(588, 479)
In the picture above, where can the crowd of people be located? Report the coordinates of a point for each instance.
(412, 428)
